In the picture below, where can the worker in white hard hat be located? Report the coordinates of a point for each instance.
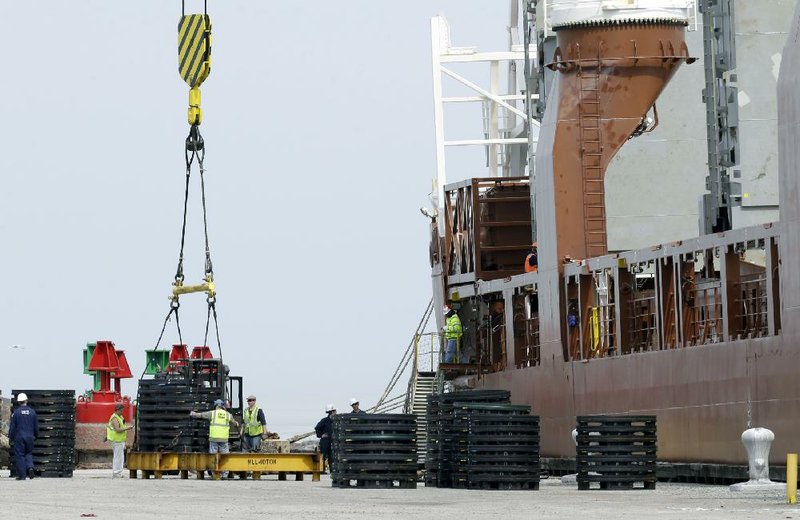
(324, 431)
(23, 430)
(355, 405)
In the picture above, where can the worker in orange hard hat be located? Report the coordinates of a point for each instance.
(532, 260)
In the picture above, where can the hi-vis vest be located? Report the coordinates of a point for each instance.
(220, 425)
(452, 328)
(115, 436)
(252, 426)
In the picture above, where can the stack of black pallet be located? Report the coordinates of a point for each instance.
(163, 414)
(374, 450)
(446, 441)
(616, 451)
(432, 446)
(497, 446)
(54, 449)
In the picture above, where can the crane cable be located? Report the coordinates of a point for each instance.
(194, 66)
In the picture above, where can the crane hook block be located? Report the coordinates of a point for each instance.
(194, 48)
(194, 58)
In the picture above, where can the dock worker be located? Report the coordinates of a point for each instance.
(23, 430)
(254, 425)
(532, 260)
(355, 405)
(117, 435)
(453, 333)
(219, 428)
(324, 431)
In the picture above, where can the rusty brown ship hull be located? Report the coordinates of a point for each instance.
(703, 397)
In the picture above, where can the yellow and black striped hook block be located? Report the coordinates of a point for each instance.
(194, 58)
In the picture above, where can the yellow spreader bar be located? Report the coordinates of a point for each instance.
(208, 287)
(194, 58)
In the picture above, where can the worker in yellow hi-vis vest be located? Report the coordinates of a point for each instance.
(117, 435)
(254, 426)
(219, 429)
(453, 333)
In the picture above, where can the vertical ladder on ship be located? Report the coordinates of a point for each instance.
(594, 212)
(424, 385)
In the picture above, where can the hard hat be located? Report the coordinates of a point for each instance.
(446, 309)
(251, 398)
(219, 402)
(330, 408)
(22, 397)
(353, 401)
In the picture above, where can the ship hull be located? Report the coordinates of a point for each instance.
(704, 397)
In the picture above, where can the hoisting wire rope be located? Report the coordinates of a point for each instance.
(194, 53)
(173, 309)
(408, 355)
(195, 152)
(194, 58)
(183, 7)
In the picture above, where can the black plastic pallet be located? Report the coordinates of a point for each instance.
(375, 484)
(616, 452)
(532, 485)
(611, 486)
(475, 395)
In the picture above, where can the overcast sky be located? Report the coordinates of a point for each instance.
(319, 128)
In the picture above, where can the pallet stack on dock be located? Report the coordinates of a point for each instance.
(478, 440)
(374, 450)
(164, 423)
(449, 438)
(54, 449)
(498, 447)
(432, 448)
(616, 451)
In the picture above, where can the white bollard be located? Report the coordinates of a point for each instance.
(757, 441)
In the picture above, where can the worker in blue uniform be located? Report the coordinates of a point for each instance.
(324, 431)
(24, 429)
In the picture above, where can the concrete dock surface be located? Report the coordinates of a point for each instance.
(93, 494)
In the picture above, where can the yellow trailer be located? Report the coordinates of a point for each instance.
(155, 464)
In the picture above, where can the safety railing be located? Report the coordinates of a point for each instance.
(642, 328)
(427, 356)
(698, 292)
(528, 354)
(751, 305)
(427, 352)
(705, 313)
